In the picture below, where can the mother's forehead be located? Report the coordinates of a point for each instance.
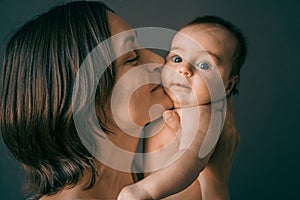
(117, 24)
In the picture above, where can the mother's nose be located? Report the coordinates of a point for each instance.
(153, 61)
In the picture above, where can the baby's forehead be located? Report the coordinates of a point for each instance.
(208, 28)
(206, 36)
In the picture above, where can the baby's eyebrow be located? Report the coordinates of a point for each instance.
(211, 54)
(201, 51)
(175, 48)
(214, 56)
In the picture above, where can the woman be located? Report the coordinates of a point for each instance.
(37, 122)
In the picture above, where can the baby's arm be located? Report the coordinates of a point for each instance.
(214, 178)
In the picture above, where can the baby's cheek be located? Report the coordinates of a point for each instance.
(202, 93)
(170, 94)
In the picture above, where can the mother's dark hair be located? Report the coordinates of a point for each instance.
(37, 77)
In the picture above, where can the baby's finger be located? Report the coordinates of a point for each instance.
(172, 119)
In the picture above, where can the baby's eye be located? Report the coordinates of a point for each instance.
(176, 59)
(203, 65)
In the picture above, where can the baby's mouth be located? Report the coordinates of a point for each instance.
(180, 86)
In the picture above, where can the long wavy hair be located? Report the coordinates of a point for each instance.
(37, 76)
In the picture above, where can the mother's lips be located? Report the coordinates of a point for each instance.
(156, 87)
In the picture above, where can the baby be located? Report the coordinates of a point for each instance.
(201, 70)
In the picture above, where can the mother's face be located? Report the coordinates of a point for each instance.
(136, 88)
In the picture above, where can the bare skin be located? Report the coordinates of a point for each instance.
(217, 171)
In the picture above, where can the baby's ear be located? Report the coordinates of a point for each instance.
(231, 83)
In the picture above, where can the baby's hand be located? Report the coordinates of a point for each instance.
(133, 192)
(172, 120)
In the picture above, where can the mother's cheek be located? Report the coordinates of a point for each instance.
(139, 105)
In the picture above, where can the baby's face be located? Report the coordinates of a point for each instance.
(202, 56)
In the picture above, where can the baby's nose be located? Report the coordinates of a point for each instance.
(186, 70)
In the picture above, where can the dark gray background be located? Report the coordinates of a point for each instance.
(266, 165)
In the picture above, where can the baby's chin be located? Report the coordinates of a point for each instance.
(185, 100)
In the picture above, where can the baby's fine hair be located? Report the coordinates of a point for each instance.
(241, 50)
